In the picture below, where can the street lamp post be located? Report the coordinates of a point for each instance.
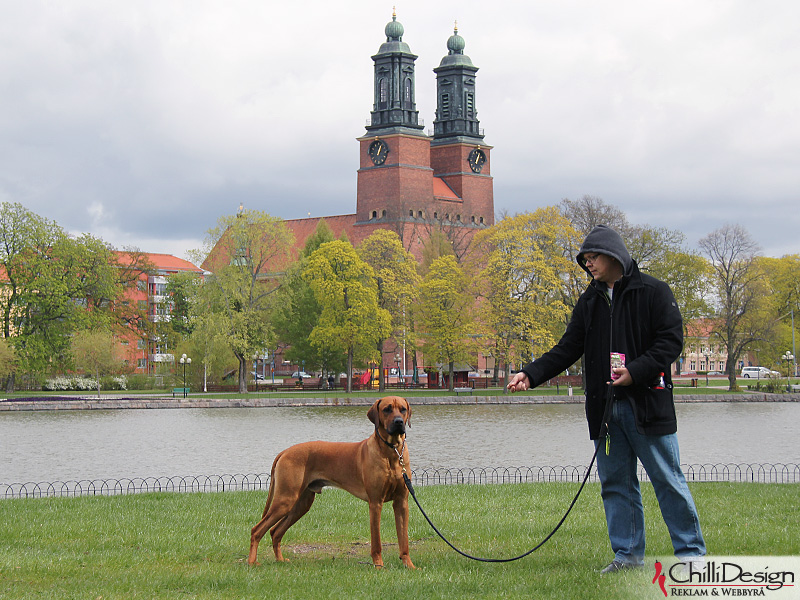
(707, 354)
(788, 357)
(397, 366)
(185, 360)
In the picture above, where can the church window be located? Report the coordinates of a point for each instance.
(374, 214)
(445, 106)
(470, 102)
(383, 99)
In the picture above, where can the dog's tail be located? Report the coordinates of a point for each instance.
(271, 492)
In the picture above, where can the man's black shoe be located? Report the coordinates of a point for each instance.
(618, 565)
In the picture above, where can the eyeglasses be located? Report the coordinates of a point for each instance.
(589, 258)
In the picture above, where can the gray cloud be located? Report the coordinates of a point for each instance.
(144, 122)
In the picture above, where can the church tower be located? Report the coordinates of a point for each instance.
(458, 153)
(395, 171)
(412, 183)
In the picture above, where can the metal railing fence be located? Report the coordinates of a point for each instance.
(742, 473)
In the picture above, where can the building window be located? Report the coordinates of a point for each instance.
(411, 213)
(470, 103)
(383, 98)
(419, 214)
(435, 215)
(458, 218)
(141, 344)
(481, 220)
(407, 93)
(142, 363)
(445, 106)
(383, 213)
(374, 214)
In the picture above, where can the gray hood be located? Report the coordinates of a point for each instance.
(604, 240)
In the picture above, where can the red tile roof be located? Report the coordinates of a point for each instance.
(166, 262)
(442, 190)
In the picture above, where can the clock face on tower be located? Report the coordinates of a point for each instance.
(378, 150)
(476, 160)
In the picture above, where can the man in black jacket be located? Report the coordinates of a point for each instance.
(629, 327)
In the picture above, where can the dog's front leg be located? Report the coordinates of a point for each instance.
(375, 507)
(400, 506)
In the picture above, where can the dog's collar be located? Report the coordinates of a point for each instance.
(387, 442)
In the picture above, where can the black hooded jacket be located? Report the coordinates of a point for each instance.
(641, 320)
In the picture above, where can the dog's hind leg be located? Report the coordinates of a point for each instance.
(273, 516)
(300, 508)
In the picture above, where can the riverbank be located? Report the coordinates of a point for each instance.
(116, 402)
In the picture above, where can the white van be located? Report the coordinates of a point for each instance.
(758, 373)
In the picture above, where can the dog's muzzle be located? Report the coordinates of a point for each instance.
(397, 426)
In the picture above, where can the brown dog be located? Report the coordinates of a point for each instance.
(370, 470)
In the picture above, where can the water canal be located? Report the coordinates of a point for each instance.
(74, 445)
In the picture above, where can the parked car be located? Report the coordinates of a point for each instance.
(758, 373)
(300, 375)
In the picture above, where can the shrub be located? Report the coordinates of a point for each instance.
(64, 383)
(116, 382)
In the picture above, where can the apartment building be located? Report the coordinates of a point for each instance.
(143, 348)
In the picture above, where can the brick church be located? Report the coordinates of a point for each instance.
(409, 181)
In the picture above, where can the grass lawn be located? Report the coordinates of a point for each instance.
(195, 545)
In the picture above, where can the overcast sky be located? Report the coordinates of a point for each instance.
(142, 122)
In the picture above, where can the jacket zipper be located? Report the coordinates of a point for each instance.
(610, 394)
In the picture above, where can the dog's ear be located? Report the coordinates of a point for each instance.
(372, 413)
(408, 414)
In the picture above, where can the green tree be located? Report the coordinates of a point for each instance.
(299, 312)
(784, 278)
(53, 285)
(251, 249)
(523, 306)
(96, 352)
(351, 320)
(397, 280)
(8, 359)
(445, 313)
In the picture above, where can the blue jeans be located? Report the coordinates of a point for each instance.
(622, 498)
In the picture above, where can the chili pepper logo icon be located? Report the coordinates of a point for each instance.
(660, 577)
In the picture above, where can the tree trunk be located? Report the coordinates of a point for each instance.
(381, 378)
(349, 370)
(242, 373)
(451, 383)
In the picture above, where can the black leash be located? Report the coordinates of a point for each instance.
(603, 429)
(502, 560)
